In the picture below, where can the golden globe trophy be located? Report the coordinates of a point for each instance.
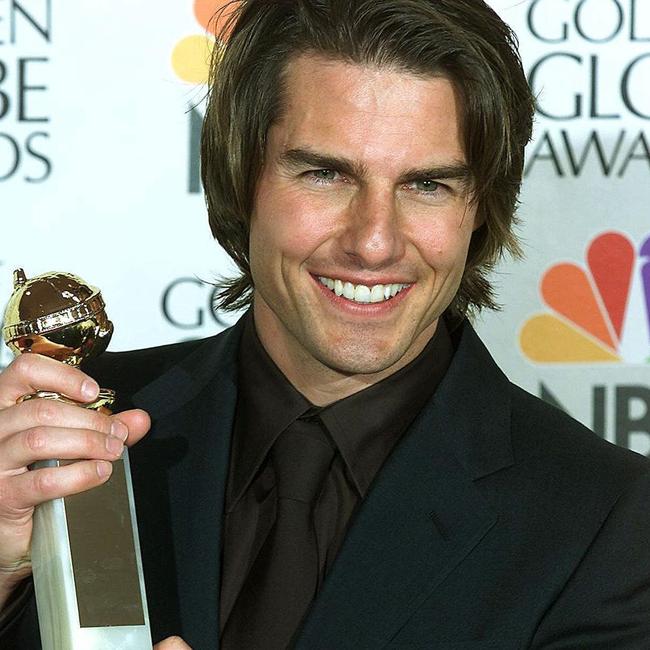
(85, 550)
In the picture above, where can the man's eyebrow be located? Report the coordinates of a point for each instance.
(456, 171)
(308, 158)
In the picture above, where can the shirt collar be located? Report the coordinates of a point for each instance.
(267, 404)
(366, 425)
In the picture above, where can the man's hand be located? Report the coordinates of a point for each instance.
(42, 429)
(172, 643)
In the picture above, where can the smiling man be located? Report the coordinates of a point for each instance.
(347, 467)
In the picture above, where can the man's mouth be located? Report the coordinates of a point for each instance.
(361, 292)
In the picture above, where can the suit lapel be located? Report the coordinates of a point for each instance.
(192, 408)
(423, 514)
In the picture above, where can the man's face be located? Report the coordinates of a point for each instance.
(364, 190)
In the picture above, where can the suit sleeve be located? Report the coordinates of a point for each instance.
(606, 602)
(19, 621)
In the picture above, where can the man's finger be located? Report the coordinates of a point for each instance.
(172, 643)
(136, 421)
(44, 443)
(32, 488)
(51, 413)
(30, 372)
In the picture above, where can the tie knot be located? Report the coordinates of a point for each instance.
(301, 458)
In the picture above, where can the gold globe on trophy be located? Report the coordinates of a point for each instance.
(58, 315)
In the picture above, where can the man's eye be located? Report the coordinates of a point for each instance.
(323, 175)
(426, 185)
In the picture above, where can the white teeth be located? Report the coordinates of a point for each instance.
(360, 292)
(377, 293)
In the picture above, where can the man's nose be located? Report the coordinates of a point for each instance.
(372, 236)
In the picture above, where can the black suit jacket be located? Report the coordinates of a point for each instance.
(497, 522)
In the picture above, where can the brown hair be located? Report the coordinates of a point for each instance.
(463, 40)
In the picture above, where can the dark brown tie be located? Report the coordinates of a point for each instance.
(284, 577)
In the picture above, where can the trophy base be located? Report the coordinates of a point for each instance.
(87, 570)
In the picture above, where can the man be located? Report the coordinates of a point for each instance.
(361, 162)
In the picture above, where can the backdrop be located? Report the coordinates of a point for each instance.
(100, 115)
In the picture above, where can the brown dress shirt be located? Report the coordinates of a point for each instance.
(363, 427)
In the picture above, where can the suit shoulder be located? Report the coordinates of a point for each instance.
(541, 431)
(128, 371)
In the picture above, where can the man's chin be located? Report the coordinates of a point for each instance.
(356, 360)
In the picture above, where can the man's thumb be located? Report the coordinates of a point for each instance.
(172, 643)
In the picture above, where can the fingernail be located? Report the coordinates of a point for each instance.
(89, 389)
(119, 430)
(114, 445)
(104, 468)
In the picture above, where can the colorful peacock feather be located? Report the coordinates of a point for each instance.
(588, 305)
(191, 55)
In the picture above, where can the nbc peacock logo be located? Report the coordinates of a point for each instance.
(191, 62)
(598, 312)
(191, 55)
